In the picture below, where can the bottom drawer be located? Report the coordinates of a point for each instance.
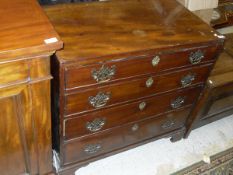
(107, 141)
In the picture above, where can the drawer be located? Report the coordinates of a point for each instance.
(81, 125)
(100, 143)
(123, 68)
(99, 97)
(24, 71)
(40, 68)
(14, 72)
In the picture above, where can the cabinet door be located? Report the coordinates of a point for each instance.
(25, 139)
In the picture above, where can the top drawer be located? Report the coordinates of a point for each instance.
(13, 73)
(79, 76)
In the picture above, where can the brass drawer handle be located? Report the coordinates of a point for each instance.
(168, 124)
(135, 127)
(155, 61)
(177, 103)
(149, 82)
(142, 106)
(95, 125)
(187, 80)
(92, 148)
(100, 99)
(196, 57)
(104, 74)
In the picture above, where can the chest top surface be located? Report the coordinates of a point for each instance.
(114, 27)
(24, 27)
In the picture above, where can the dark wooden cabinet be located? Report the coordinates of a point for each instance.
(25, 121)
(225, 13)
(25, 114)
(218, 96)
(130, 72)
(53, 2)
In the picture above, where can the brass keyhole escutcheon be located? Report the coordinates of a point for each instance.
(149, 82)
(142, 106)
(135, 127)
(155, 61)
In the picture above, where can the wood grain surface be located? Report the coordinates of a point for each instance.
(75, 126)
(24, 27)
(25, 115)
(134, 66)
(127, 34)
(123, 136)
(92, 30)
(126, 91)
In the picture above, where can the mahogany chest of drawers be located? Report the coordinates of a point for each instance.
(130, 72)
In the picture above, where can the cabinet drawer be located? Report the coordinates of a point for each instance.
(81, 125)
(31, 69)
(116, 70)
(95, 98)
(14, 72)
(100, 143)
(40, 68)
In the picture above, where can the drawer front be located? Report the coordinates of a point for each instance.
(111, 71)
(40, 68)
(81, 125)
(92, 99)
(14, 72)
(100, 143)
(24, 71)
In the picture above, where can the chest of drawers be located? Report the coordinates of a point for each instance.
(130, 72)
